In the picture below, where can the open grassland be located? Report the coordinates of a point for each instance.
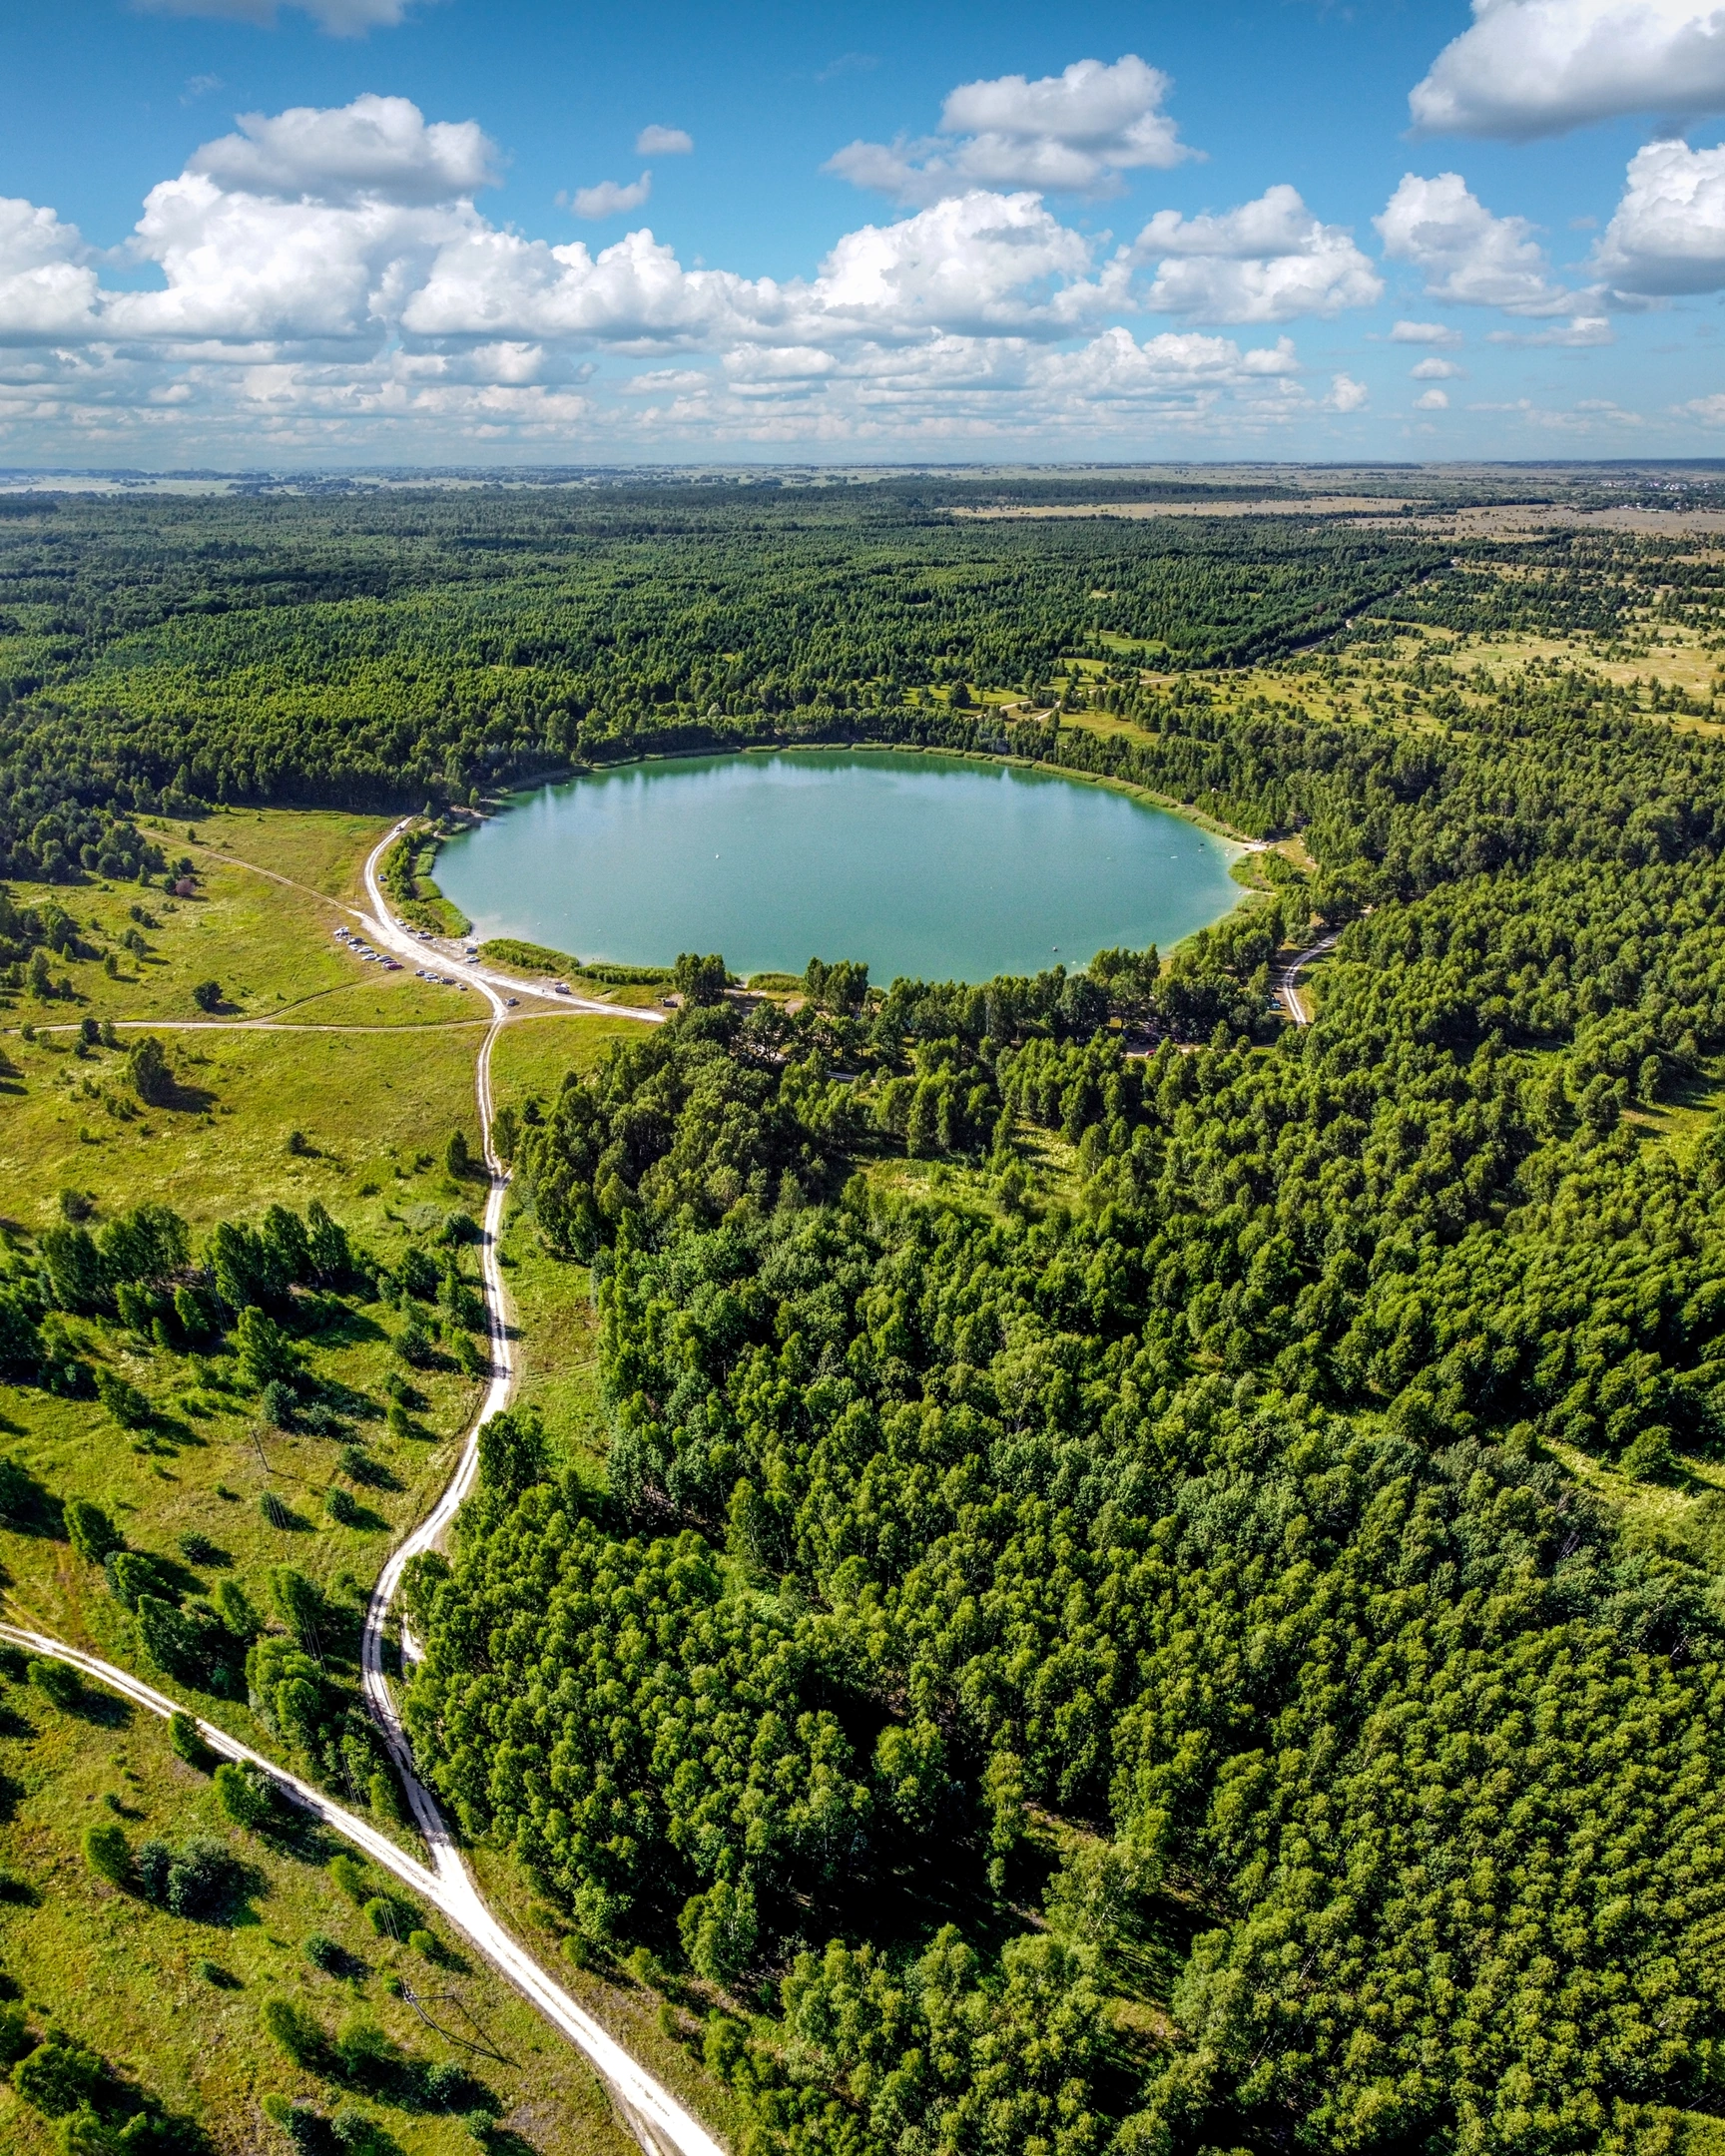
(374, 1111)
(173, 2003)
(323, 849)
(269, 947)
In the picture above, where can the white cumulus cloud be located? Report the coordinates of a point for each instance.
(1266, 262)
(1431, 400)
(1346, 394)
(1425, 332)
(324, 279)
(663, 141)
(1465, 253)
(611, 197)
(377, 146)
(1437, 370)
(1668, 232)
(48, 291)
(1538, 67)
(1073, 133)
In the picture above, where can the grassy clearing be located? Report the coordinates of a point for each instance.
(551, 1311)
(550, 1298)
(532, 1054)
(323, 848)
(373, 1108)
(271, 948)
(126, 1978)
(202, 1469)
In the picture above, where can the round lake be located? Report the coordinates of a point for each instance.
(934, 868)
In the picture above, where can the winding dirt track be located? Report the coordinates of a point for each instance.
(658, 2122)
(1288, 978)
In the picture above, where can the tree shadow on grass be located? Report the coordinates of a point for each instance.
(281, 1516)
(103, 1710)
(31, 1507)
(294, 1832)
(373, 1474)
(346, 1327)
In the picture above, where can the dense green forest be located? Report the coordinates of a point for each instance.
(1155, 1584)
(389, 648)
(1132, 1637)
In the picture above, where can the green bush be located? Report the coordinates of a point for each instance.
(183, 1736)
(90, 1531)
(243, 1795)
(59, 2075)
(109, 1854)
(129, 1408)
(298, 2032)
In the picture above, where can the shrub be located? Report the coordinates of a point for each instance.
(123, 1401)
(265, 1350)
(154, 1862)
(342, 1507)
(198, 1548)
(363, 2047)
(132, 1575)
(299, 1145)
(302, 2126)
(379, 1913)
(297, 1602)
(147, 1067)
(203, 1877)
(207, 995)
(58, 2076)
(1649, 1458)
(109, 1854)
(297, 2032)
(14, 2035)
(348, 1875)
(277, 1405)
(426, 1944)
(326, 1953)
(243, 1795)
(385, 1799)
(236, 1611)
(361, 2135)
(183, 1736)
(416, 1347)
(91, 1533)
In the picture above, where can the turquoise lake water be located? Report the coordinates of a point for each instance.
(928, 866)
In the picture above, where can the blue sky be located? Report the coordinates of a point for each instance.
(357, 230)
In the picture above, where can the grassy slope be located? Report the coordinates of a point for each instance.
(377, 1108)
(122, 1976)
(550, 1300)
